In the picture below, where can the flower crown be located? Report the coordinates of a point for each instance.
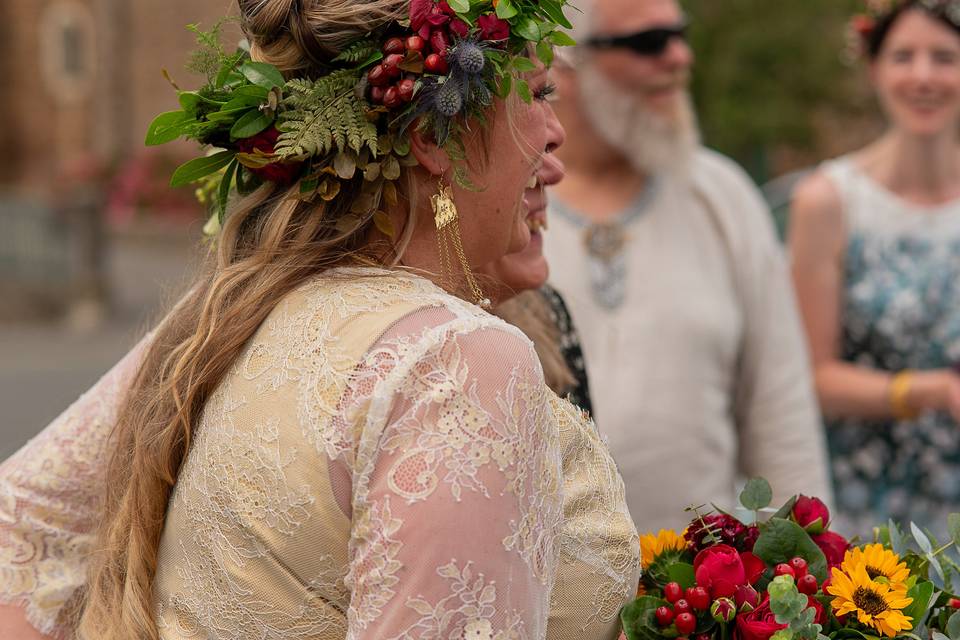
(862, 25)
(440, 68)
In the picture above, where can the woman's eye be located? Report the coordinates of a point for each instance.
(544, 93)
(901, 56)
(945, 57)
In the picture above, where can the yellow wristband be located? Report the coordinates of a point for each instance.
(899, 390)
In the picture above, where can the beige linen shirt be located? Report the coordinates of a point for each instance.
(701, 374)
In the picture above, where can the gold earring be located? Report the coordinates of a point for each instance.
(447, 219)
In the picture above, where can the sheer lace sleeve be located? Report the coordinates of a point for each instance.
(456, 489)
(49, 502)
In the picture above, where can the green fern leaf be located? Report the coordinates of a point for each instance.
(357, 52)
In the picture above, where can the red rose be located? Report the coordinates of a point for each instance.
(753, 567)
(833, 545)
(265, 142)
(811, 514)
(425, 14)
(719, 569)
(760, 623)
(493, 28)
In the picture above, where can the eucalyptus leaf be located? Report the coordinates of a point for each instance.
(250, 124)
(262, 74)
(953, 626)
(200, 167)
(756, 495)
(390, 168)
(167, 127)
(936, 635)
(953, 526)
(922, 541)
(345, 165)
(896, 537)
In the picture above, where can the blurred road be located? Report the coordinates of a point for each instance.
(44, 367)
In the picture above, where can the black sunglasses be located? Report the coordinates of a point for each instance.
(650, 42)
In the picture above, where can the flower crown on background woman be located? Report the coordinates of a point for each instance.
(349, 122)
(861, 26)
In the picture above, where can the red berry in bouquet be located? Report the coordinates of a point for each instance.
(703, 636)
(664, 616)
(391, 98)
(799, 566)
(393, 45)
(811, 514)
(698, 597)
(392, 64)
(439, 42)
(378, 76)
(672, 592)
(415, 43)
(406, 88)
(682, 606)
(784, 569)
(436, 64)
(686, 623)
(953, 603)
(807, 584)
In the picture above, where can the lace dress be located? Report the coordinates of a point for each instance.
(370, 468)
(901, 310)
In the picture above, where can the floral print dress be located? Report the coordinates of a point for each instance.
(901, 310)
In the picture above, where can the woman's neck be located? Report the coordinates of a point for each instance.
(924, 169)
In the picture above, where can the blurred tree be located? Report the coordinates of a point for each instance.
(765, 70)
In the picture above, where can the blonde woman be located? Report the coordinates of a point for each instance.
(874, 238)
(322, 442)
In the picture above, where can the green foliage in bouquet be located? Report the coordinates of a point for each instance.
(790, 577)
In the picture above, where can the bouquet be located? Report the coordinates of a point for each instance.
(791, 578)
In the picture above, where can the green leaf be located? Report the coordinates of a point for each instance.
(262, 74)
(936, 635)
(787, 508)
(555, 11)
(896, 537)
(953, 526)
(250, 124)
(528, 29)
(561, 39)
(545, 53)
(223, 193)
(227, 115)
(167, 127)
(922, 540)
(460, 6)
(682, 573)
(505, 86)
(523, 65)
(506, 10)
(637, 618)
(756, 495)
(953, 626)
(200, 167)
(523, 90)
(781, 540)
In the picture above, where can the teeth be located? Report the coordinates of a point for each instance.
(533, 182)
(536, 226)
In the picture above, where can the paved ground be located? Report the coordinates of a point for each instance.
(45, 366)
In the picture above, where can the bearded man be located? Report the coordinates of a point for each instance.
(667, 257)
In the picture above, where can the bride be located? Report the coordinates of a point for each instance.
(323, 441)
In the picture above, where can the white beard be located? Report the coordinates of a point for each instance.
(651, 142)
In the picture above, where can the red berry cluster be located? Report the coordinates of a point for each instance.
(686, 604)
(389, 85)
(797, 569)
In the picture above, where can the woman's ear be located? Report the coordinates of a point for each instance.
(430, 157)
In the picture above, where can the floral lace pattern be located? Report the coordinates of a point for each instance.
(382, 461)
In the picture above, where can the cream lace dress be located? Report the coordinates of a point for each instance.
(382, 461)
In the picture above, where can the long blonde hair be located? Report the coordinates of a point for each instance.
(270, 243)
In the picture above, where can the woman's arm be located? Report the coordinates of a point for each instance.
(817, 246)
(13, 624)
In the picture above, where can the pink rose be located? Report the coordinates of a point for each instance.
(811, 514)
(833, 545)
(719, 569)
(493, 28)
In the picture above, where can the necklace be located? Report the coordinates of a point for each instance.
(605, 244)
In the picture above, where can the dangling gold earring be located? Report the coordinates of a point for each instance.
(447, 219)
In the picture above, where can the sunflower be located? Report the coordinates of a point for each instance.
(652, 546)
(881, 564)
(877, 604)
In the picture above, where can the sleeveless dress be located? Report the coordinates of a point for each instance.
(369, 468)
(901, 310)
